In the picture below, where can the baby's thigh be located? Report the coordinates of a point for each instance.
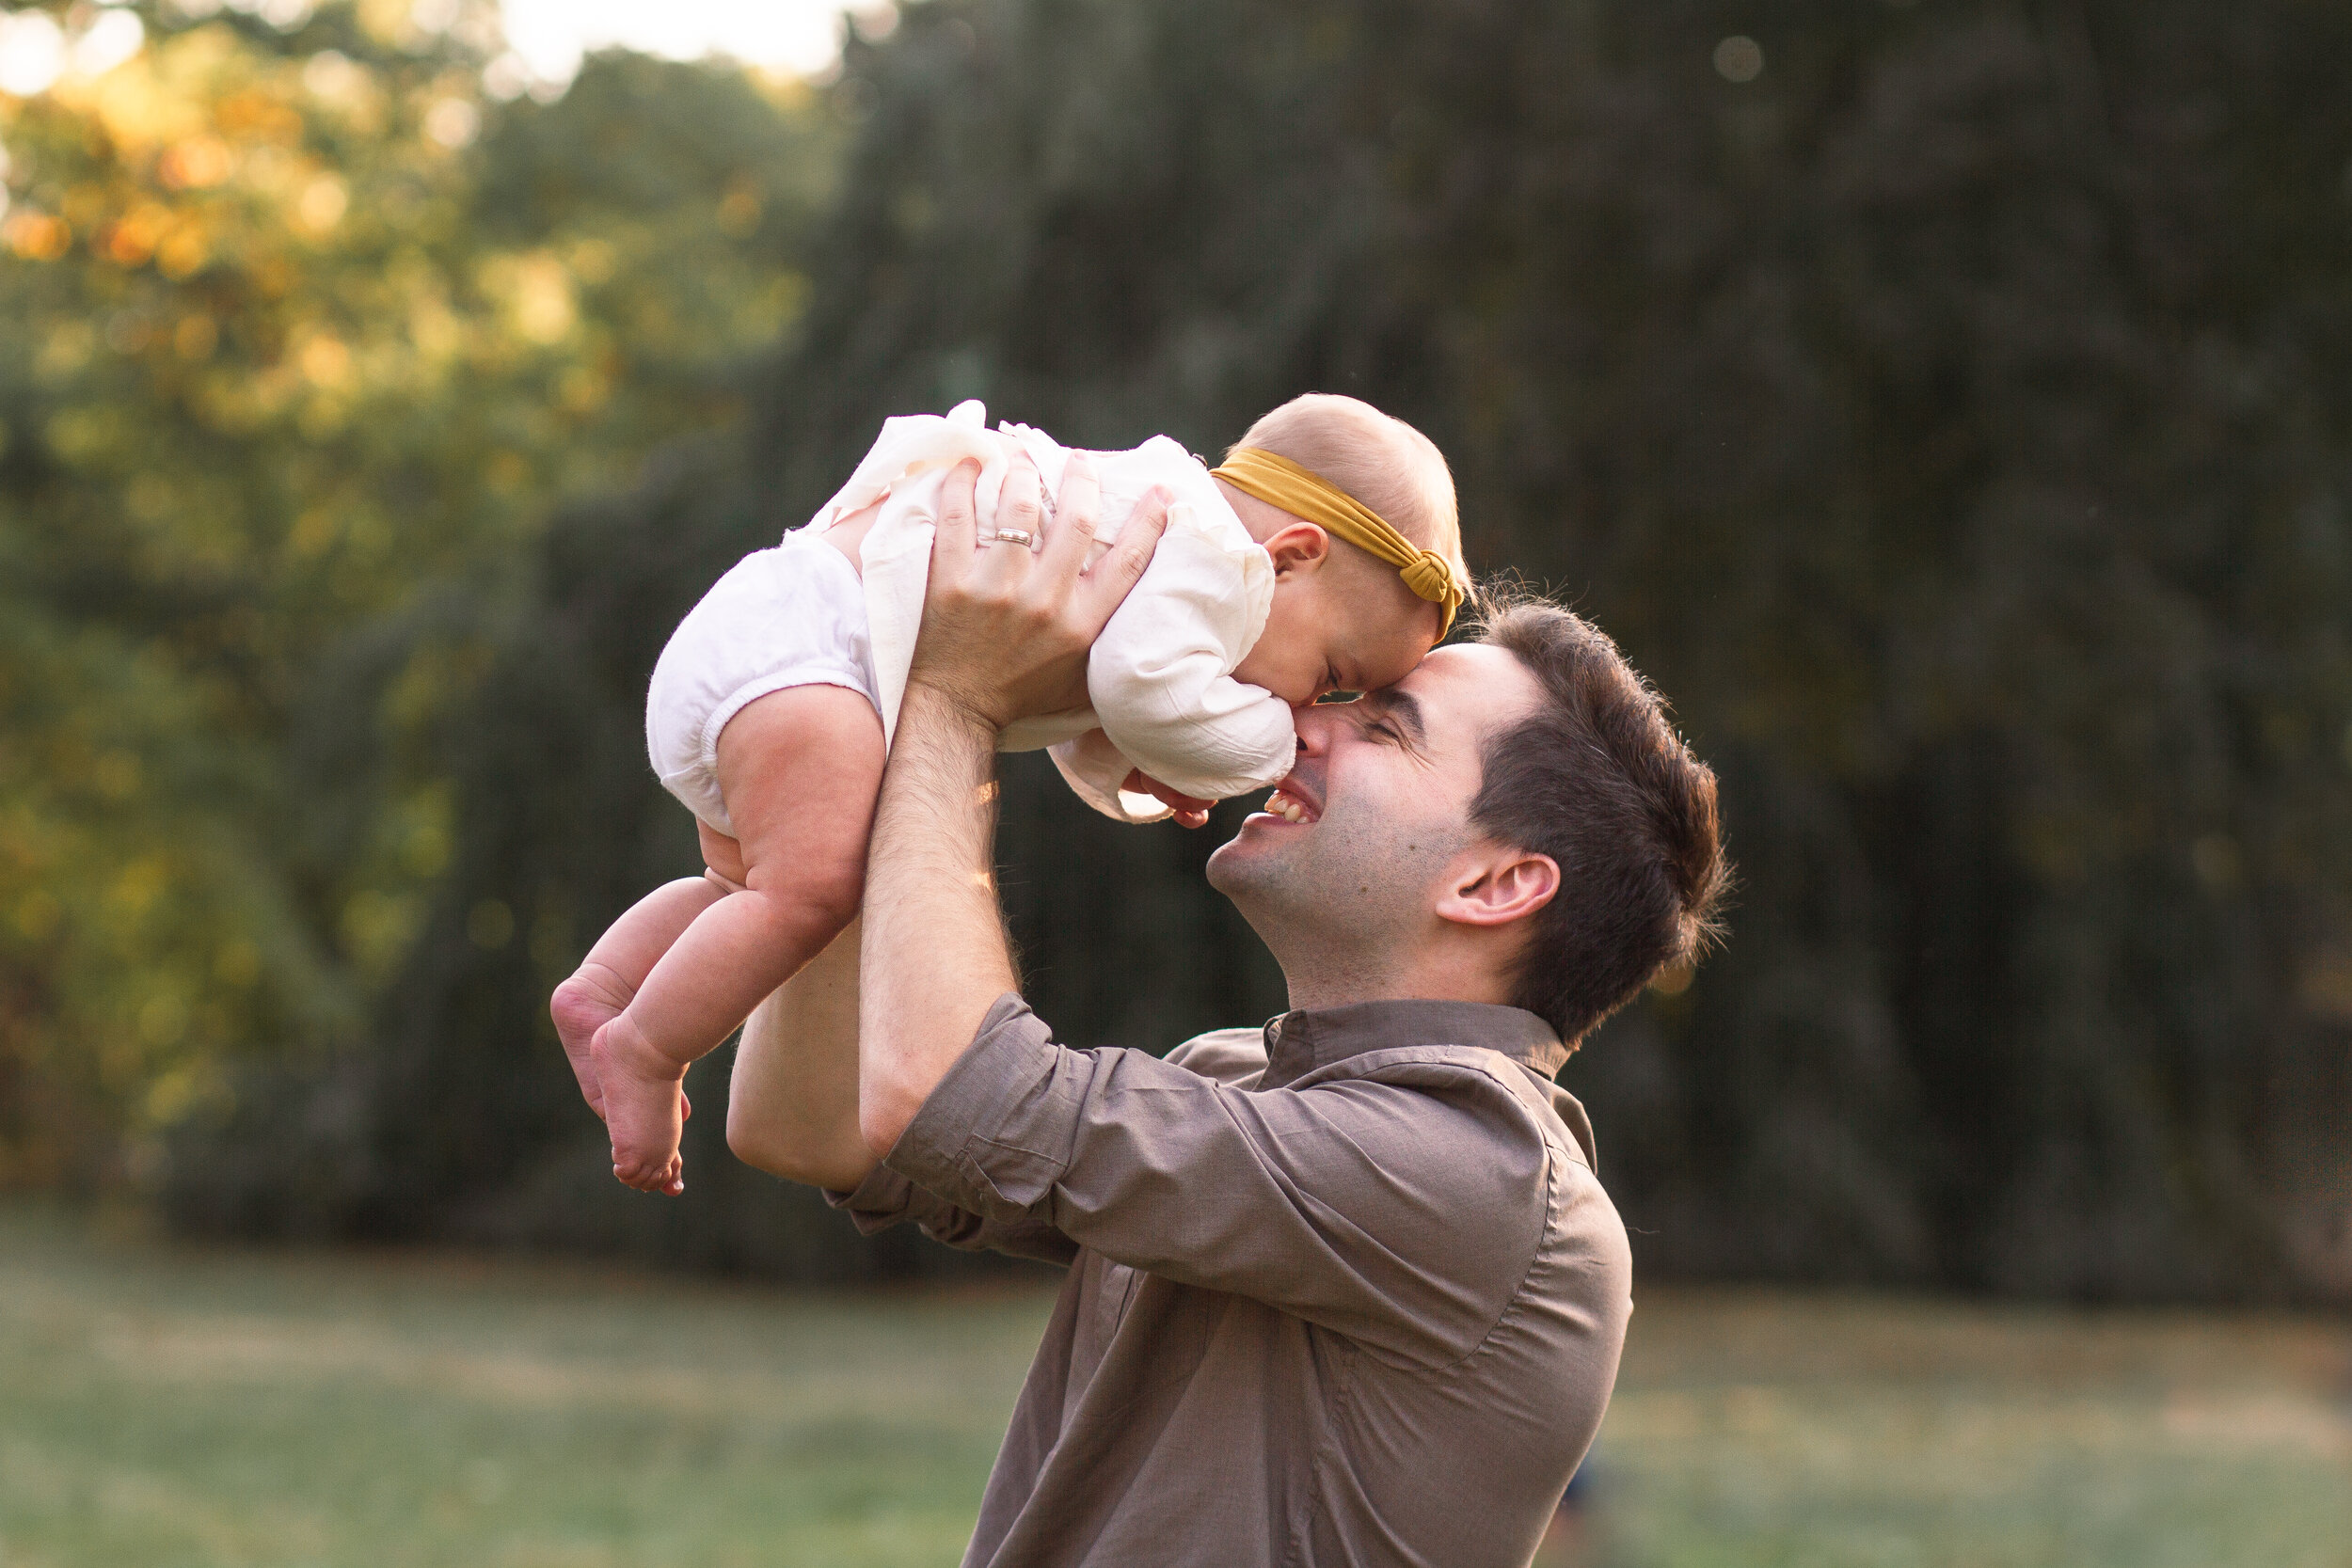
(800, 769)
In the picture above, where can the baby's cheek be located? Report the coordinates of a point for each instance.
(1264, 665)
(1293, 652)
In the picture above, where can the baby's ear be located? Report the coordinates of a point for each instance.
(1299, 545)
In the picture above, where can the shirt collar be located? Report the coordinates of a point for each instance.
(1299, 1043)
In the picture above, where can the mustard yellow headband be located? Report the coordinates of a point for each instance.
(1303, 493)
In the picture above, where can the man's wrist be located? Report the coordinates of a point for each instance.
(930, 706)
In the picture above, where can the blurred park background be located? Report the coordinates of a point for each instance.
(1947, 403)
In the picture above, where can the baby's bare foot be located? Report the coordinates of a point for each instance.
(580, 1006)
(644, 1107)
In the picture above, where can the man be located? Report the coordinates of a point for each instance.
(1345, 1291)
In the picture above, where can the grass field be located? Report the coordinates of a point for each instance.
(1792, 1431)
(168, 1408)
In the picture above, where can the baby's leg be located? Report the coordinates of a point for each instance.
(800, 769)
(609, 977)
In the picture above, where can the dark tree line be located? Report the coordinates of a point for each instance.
(1952, 419)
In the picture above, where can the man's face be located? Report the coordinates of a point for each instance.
(1352, 846)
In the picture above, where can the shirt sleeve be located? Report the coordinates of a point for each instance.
(1401, 1209)
(1160, 675)
(885, 1198)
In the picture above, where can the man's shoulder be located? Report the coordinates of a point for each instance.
(1234, 1056)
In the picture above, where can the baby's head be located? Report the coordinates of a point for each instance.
(1342, 619)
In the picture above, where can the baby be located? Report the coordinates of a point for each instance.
(1324, 554)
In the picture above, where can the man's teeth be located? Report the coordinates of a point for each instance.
(1287, 807)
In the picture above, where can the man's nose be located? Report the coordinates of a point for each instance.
(1313, 721)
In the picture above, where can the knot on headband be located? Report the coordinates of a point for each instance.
(1430, 575)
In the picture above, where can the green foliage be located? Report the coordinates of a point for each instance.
(1946, 417)
(301, 337)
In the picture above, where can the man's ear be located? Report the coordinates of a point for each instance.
(1494, 886)
(1298, 546)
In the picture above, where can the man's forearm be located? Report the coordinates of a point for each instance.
(792, 1104)
(935, 956)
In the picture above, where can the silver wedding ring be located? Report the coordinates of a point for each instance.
(1020, 536)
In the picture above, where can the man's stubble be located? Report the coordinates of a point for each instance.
(1340, 904)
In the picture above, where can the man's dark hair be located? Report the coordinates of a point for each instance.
(1597, 779)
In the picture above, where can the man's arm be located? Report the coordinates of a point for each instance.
(792, 1112)
(935, 953)
(1402, 1206)
(792, 1104)
(1005, 635)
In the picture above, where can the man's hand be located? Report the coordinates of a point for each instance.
(1006, 628)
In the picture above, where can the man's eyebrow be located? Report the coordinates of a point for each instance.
(1403, 707)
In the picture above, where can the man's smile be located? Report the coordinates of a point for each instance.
(1292, 803)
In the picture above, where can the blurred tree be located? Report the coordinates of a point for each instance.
(303, 332)
(1947, 417)
(1941, 402)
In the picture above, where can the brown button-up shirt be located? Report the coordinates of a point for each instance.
(1345, 1293)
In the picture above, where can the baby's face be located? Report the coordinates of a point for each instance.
(1338, 631)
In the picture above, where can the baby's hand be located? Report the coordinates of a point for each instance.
(644, 1108)
(1190, 810)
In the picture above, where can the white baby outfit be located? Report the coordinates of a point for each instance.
(1159, 679)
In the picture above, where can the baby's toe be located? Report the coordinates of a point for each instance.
(633, 1169)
